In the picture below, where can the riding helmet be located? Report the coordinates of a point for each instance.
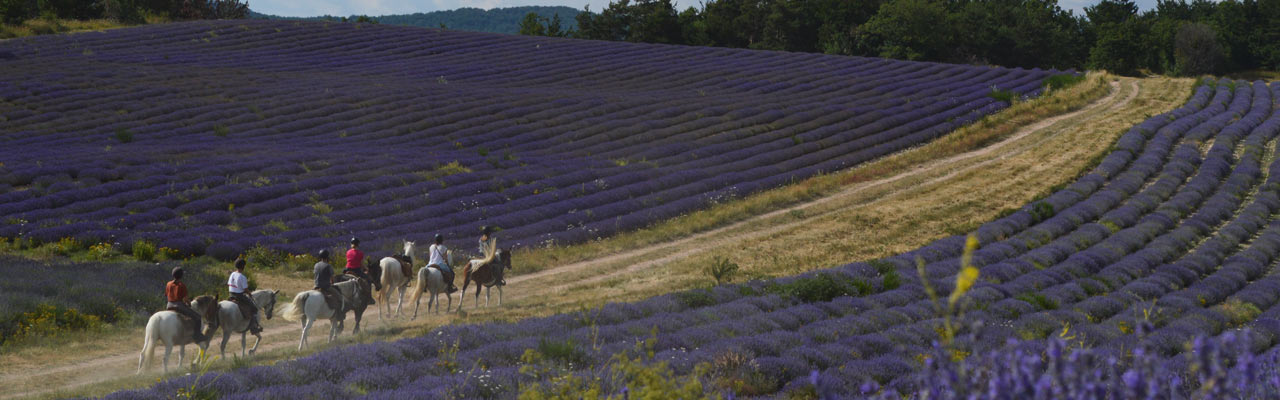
(487, 229)
(177, 272)
(240, 263)
(324, 254)
(355, 240)
(439, 238)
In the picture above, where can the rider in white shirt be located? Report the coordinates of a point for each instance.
(238, 285)
(440, 260)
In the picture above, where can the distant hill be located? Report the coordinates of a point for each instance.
(497, 20)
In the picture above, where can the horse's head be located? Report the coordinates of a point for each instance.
(504, 257)
(266, 299)
(207, 307)
(410, 248)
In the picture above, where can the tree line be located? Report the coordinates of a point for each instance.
(13, 12)
(1176, 37)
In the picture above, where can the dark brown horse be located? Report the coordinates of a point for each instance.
(488, 276)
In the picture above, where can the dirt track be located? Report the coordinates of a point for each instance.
(116, 357)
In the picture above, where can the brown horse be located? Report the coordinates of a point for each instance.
(488, 276)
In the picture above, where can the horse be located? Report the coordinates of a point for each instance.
(310, 306)
(168, 327)
(431, 279)
(233, 321)
(487, 276)
(393, 278)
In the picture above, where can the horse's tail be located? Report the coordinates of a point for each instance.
(148, 345)
(293, 312)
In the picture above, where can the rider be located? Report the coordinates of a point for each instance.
(324, 277)
(176, 293)
(440, 260)
(488, 249)
(237, 285)
(355, 263)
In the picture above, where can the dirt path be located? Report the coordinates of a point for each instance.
(115, 360)
(676, 250)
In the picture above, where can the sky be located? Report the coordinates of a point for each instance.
(311, 8)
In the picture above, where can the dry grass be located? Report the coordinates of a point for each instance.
(46, 26)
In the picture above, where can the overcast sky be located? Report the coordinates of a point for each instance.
(310, 8)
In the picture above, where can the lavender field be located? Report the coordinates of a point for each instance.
(1152, 276)
(214, 137)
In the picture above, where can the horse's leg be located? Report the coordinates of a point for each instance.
(306, 326)
(254, 349)
(400, 304)
(450, 297)
(168, 349)
(226, 336)
(417, 301)
(462, 296)
(182, 354)
(244, 337)
(488, 294)
(499, 296)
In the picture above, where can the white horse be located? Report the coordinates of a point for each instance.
(167, 326)
(310, 306)
(393, 278)
(232, 321)
(431, 279)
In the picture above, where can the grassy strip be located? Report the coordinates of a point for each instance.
(46, 26)
(986, 131)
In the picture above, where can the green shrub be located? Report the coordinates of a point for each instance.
(266, 258)
(1062, 81)
(1038, 300)
(820, 288)
(722, 270)
(1041, 211)
(144, 250)
(67, 245)
(1006, 96)
(565, 353)
(221, 130)
(123, 135)
(695, 298)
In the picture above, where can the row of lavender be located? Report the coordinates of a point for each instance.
(211, 137)
(1171, 237)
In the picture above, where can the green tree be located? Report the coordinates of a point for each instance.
(911, 30)
(531, 25)
(1198, 51)
(1118, 48)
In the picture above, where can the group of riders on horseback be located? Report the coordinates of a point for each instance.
(179, 301)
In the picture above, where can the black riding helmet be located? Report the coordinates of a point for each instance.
(177, 272)
(439, 238)
(355, 240)
(324, 254)
(486, 230)
(240, 263)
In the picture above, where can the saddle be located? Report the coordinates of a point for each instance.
(332, 297)
(246, 310)
(406, 265)
(368, 294)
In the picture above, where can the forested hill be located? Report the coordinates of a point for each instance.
(497, 20)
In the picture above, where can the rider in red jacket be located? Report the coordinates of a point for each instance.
(355, 264)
